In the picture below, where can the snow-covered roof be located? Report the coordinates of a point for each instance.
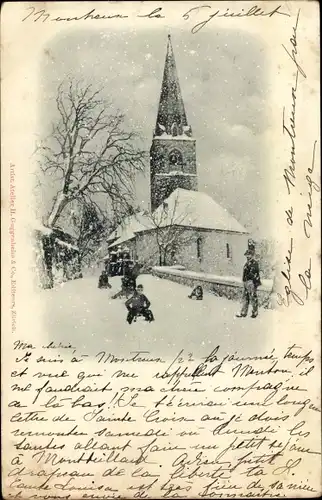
(194, 209)
(126, 222)
(38, 226)
(47, 231)
(126, 231)
(67, 228)
(182, 208)
(114, 234)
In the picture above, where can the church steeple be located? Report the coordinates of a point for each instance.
(173, 150)
(172, 118)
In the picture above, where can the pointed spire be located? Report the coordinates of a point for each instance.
(172, 118)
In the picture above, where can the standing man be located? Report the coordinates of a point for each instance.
(251, 281)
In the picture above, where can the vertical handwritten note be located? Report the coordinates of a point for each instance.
(301, 187)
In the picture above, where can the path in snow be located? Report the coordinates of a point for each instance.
(80, 313)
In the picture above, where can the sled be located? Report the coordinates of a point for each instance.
(139, 317)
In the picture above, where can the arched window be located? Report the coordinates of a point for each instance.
(175, 160)
(174, 129)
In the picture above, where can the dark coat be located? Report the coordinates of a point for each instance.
(128, 283)
(136, 270)
(138, 302)
(251, 272)
(197, 293)
(103, 280)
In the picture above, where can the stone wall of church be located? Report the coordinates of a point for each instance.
(203, 251)
(132, 246)
(216, 252)
(147, 249)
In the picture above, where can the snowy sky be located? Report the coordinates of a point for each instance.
(223, 78)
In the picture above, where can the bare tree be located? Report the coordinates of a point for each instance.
(170, 225)
(89, 151)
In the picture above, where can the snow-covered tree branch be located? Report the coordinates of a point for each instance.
(89, 151)
(170, 228)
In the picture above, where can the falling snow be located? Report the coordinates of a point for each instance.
(81, 313)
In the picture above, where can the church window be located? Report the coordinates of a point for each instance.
(199, 249)
(175, 160)
(174, 129)
(228, 251)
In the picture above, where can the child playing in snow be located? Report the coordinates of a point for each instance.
(137, 305)
(197, 293)
(103, 280)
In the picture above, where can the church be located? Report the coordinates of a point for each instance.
(183, 226)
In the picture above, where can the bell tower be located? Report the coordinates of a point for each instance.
(173, 150)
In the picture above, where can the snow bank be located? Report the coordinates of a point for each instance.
(236, 281)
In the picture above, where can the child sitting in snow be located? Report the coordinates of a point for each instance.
(197, 293)
(103, 280)
(138, 305)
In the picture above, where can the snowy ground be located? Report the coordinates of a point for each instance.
(79, 312)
